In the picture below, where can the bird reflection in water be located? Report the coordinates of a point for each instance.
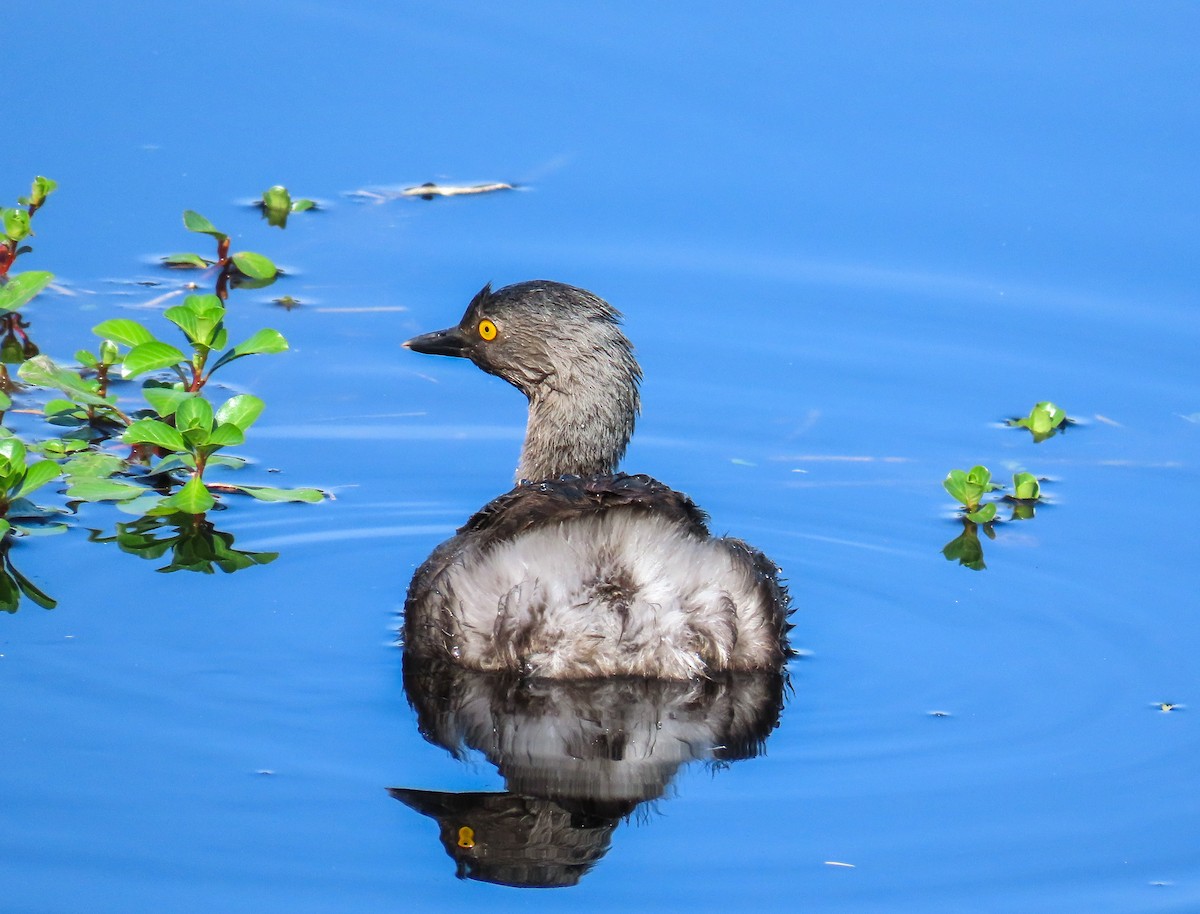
(577, 757)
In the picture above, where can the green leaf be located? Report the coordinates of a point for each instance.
(150, 356)
(92, 465)
(256, 266)
(227, 435)
(57, 448)
(241, 411)
(264, 342)
(194, 222)
(193, 327)
(303, 204)
(5, 401)
(984, 515)
(165, 400)
(194, 414)
(16, 223)
(12, 452)
(5, 526)
(206, 306)
(269, 493)
(199, 317)
(38, 475)
(42, 188)
(21, 287)
(93, 489)
(277, 198)
(956, 484)
(123, 330)
(151, 431)
(186, 261)
(42, 372)
(193, 498)
(1025, 487)
(980, 476)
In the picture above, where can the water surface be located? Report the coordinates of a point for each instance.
(848, 243)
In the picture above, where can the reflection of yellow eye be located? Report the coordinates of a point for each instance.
(466, 835)
(487, 330)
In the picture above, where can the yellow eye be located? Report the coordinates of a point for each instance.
(466, 834)
(487, 330)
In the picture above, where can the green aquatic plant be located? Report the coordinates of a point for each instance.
(20, 288)
(16, 225)
(277, 204)
(197, 432)
(87, 401)
(1025, 487)
(240, 268)
(202, 320)
(18, 478)
(968, 487)
(174, 438)
(1043, 421)
(1026, 493)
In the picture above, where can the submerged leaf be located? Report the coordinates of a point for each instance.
(269, 493)
(186, 260)
(21, 287)
(93, 489)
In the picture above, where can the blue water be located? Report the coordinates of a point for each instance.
(848, 241)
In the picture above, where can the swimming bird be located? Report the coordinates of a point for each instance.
(580, 571)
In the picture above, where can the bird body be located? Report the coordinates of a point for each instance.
(579, 572)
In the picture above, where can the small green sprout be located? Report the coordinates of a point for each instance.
(15, 224)
(968, 487)
(277, 204)
(42, 188)
(1026, 493)
(1043, 421)
(1025, 487)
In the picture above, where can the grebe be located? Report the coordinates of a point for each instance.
(581, 572)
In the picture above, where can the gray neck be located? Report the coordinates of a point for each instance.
(580, 420)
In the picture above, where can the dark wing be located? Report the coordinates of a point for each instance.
(532, 504)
